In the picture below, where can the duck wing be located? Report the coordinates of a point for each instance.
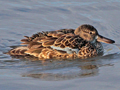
(50, 44)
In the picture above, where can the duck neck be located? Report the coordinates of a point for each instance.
(94, 42)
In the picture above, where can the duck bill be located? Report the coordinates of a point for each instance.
(105, 40)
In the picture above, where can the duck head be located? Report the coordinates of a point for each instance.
(89, 33)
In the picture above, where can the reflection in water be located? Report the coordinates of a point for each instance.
(65, 73)
(66, 70)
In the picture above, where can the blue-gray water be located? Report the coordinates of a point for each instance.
(26, 17)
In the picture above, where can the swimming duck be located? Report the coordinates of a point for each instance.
(83, 42)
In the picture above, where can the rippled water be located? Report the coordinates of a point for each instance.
(20, 17)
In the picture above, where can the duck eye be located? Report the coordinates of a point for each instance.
(90, 32)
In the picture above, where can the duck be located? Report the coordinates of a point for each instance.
(82, 42)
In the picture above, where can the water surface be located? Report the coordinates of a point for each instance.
(19, 18)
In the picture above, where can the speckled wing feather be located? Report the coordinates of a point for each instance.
(42, 35)
(39, 40)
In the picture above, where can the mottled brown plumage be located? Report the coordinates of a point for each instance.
(82, 42)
